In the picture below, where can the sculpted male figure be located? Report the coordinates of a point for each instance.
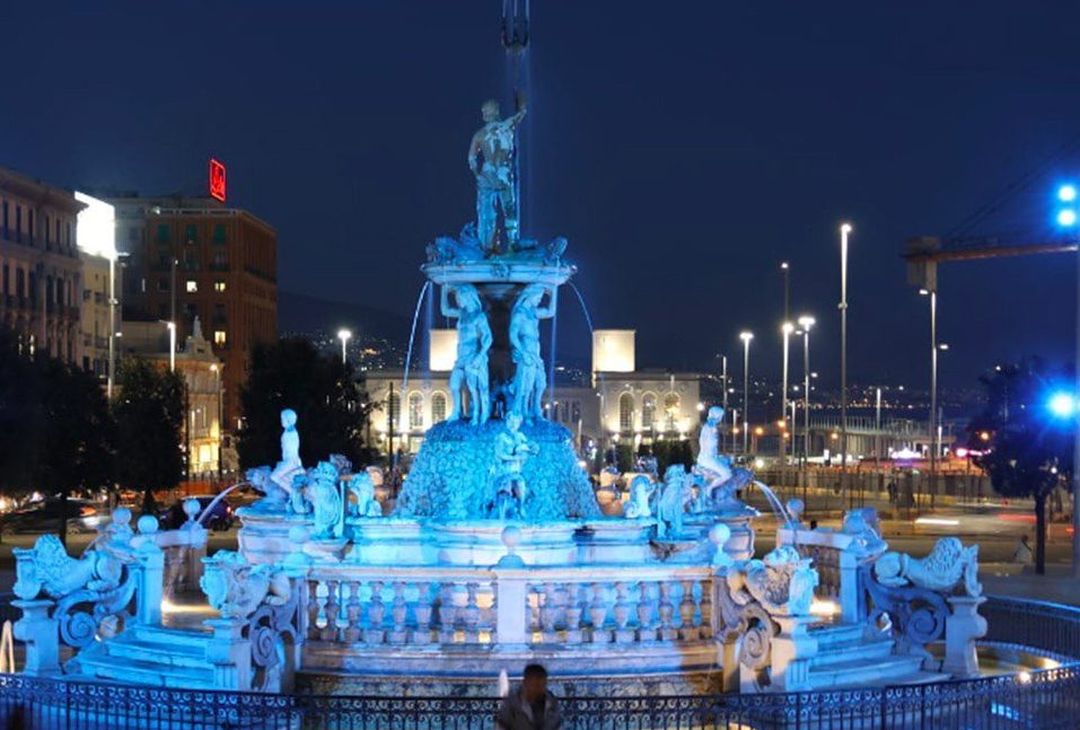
(474, 340)
(718, 480)
(530, 380)
(512, 449)
(290, 465)
(491, 159)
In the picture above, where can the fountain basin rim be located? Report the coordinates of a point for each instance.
(496, 271)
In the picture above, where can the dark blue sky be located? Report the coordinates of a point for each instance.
(685, 149)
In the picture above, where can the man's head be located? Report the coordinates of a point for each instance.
(716, 414)
(534, 683)
(490, 111)
(513, 422)
(288, 418)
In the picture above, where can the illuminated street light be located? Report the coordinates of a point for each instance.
(845, 231)
(1067, 193)
(806, 322)
(1063, 405)
(344, 335)
(1066, 217)
(787, 329)
(746, 336)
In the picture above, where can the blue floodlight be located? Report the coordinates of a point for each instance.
(1066, 217)
(1063, 404)
(1067, 193)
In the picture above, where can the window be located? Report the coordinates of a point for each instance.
(67, 233)
(671, 411)
(163, 233)
(626, 412)
(192, 286)
(191, 233)
(648, 410)
(221, 261)
(219, 233)
(438, 407)
(191, 263)
(20, 283)
(134, 234)
(5, 219)
(7, 279)
(220, 338)
(163, 284)
(416, 411)
(219, 285)
(219, 314)
(57, 237)
(30, 224)
(46, 227)
(18, 223)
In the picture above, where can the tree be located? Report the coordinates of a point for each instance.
(331, 412)
(149, 413)
(1025, 448)
(20, 413)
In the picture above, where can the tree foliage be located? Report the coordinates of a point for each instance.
(330, 407)
(149, 413)
(1026, 450)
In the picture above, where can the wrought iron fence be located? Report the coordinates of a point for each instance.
(1048, 698)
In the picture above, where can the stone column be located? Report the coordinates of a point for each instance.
(511, 596)
(962, 628)
(792, 650)
(849, 586)
(150, 574)
(41, 634)
(230, 653)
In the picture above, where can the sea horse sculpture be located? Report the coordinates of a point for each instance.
(948, 567)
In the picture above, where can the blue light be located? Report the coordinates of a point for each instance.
(1066, 217)
(1067, 193)
(1063, 405)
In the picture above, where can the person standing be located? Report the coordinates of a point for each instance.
(530, 706)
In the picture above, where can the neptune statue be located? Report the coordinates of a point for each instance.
(470, 372)
(529, 378)
(491, 159)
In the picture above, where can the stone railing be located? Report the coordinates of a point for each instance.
(184, 549)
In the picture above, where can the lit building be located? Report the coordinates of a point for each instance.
(195, 257)
(202, 372)
(41, 282)
(96, 240)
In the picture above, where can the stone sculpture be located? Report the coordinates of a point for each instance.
(274, 498)
(363, 490)
(863, 525)
(492, 153)
(47, 569)
(676, 494)
(323, 492)
(512, 449)
(290, 465)
(718, 481)
(470, 373)
(236, 588)
(641, 491)
(949, 568)
(783, 582)
(530, 380)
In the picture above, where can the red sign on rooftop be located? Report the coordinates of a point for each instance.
(217, 180)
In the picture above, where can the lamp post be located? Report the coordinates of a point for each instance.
(344, 335)
(734, 427)
(1067, 218)
(806, 322)
(746, 337)
(845, 229)
(172, 346)
(877, 433)
(215, 368)
(932, 293)
(787, 329)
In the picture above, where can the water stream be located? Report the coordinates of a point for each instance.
(778, 507)
(412, 337)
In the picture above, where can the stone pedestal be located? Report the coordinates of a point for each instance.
(740, 545)
(792, 650)
(41, 634)
(963, 628)
(511, 619)
(230, 653)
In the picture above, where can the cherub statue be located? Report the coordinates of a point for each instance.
(676, 494)
(530, 381)
(512, 449)
(236, 588)
(323, 492)
(641, 491)
(363, 489)
(290, 465)
(470, 373)
(491, 159)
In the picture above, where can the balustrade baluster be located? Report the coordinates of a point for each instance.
(332, 610)
(645, 613)
(423, 612)
(705, 609)
(687, 630)
(313, 610)
(374, 633)
(621, 613)
(598, 611)
(447, 613)
(548, 613)
(352, 613)
(472, 614)
(398, 613)
(573, 613)
(667, 611)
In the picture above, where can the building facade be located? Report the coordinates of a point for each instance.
(194, 257)
(94, 319)
(40, 269)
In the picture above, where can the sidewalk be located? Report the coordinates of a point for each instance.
(1057, 585)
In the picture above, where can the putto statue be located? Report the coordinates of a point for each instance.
(719, 481)
(325, 495)
(236, 588)
(470, 372)
(677, 493)
(512, 449)
(530, 381)
(363, 489)
(491, 158)
(641, 491)
(783, 582)
(290, 465)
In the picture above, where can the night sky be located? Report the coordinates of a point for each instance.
(685, 149)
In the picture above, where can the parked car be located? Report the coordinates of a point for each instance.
(221, 517)
(44, 516)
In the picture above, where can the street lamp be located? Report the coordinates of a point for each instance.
(1067, 218)
(215, 368)
(171, 326)
(845, 230)
(806, 322)
(786, 268)
(934, 347)
(788, 328)
(344, 335)
(746, 337)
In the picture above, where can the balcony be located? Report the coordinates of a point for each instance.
(218, 267)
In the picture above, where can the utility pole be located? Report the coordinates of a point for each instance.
(845, 229)
(390, 429)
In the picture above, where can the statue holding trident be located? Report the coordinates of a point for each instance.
(492, 153)
(474, 340)
(530, 381)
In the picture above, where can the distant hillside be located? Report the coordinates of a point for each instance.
(304, 313)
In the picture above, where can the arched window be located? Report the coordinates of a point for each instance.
(416, 411)
(438, 407)
(626, 412)
(648, 410)
(671, 411)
